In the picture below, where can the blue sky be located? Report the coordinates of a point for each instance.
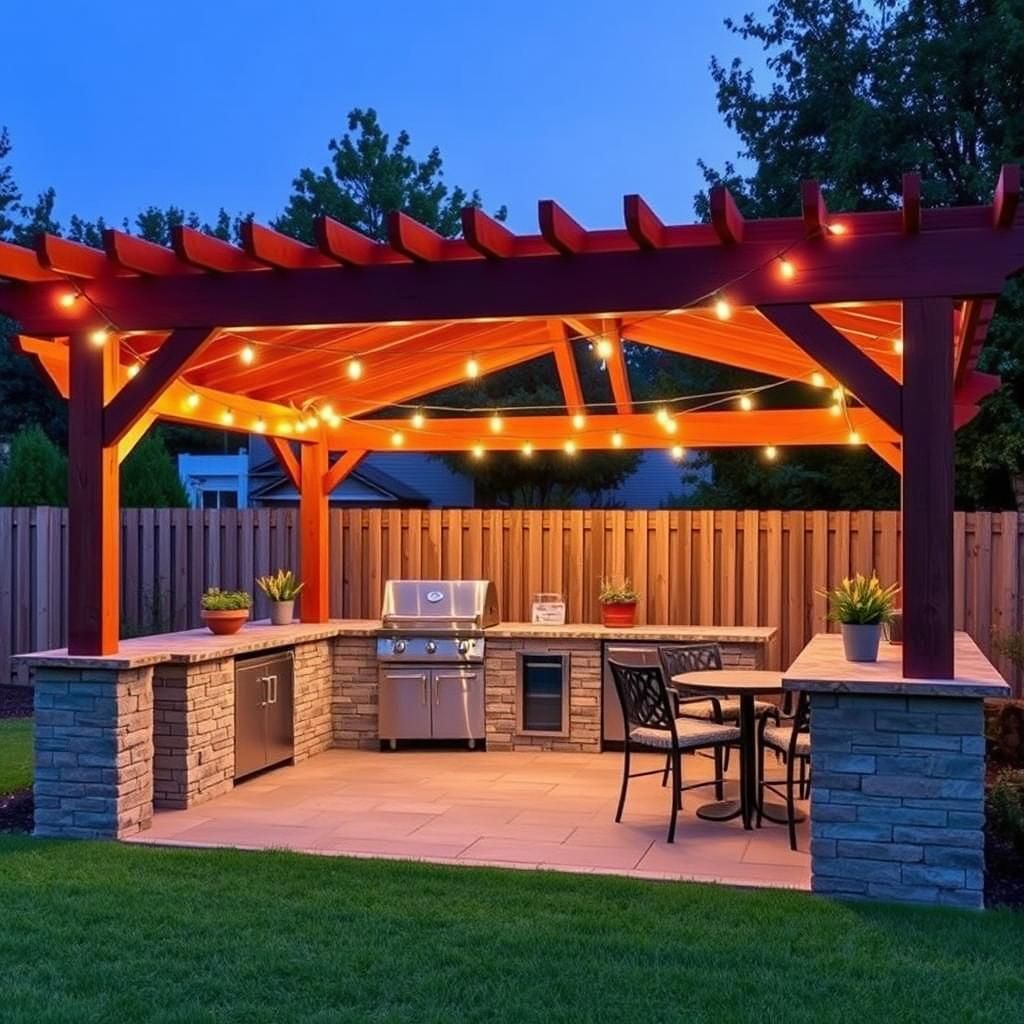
(119, 104)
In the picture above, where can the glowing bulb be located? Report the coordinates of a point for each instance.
(417, 419)
(604, 348)
(678, 451)
(897, 346)
(335, 421)
(663, 417)
(472, 368)
(818, 380)
(527, 449)
(260, 426)
(746, 403)
(570, 447)
(579, 421)
(723, 310)
(478, 451)
(312, 420)
(227, 417)
(671, 427)
(398, 439)
(838, 394)
(497, 424)
(354, 369)
(854, 437)
(67, 299)
(326, 411)
(616, 440)
(836, 229)
(99, 337)
(836, 409)
(786, 269)
(300, 427)
(192, 401)
(284, 427)
(770, 452)
(247, 355)
(133, 370)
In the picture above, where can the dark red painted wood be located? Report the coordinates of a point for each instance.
(1007, 198)
(72, 258)
(211, 253)
(812, 203)
(911, 203)
(158, 373)
(841, 358)
(136, 254)
(351, 247)
(487, 235)
(560, 231)
(93, 497)
(277, 250)
(414, 239)
(645, 227)
(726, 216)
(928, 488)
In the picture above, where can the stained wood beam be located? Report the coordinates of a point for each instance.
(71, 258)
(814, 210)
(725, 216)
(911, 206)
(342, 467)
(565, 363)
(134, 436)
(559, 230)
(21, 264)
(414, 239)
(282, 450)
(314, 540)
(278, 250)
(209, 253)
(645, 227)
(156, 376)
(847, 363)
(486, 235)
(889, 453)
(351, 247)
(1007, 197)
(142, 257)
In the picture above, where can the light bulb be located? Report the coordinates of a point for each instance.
(616, 440)
(662, 416)
(193, 400)
(247, 355)
(398, 439)
(472, 368)
(259, 426)
(579, 421)
(770, 452)
(604, 348)
(836, 409)
(326, 411)
(227, 417)
(678, 451)
(497, 424)
(722, 309)
(478, 451)
(67, 299)
(300, 427)
(354, 369)
(335, 421)
(786, 269)
(671, 427)
(99, 336)
(836, 229)
(854, 437)
(818, 380)
(417, 419)
(527, 449)
(897, 346)
(746, 403)
(312, 420)
(284, 427)
(838, 394)
(133, 370)
(570, 447)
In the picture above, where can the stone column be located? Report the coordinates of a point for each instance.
(93, 752)
(897, 797)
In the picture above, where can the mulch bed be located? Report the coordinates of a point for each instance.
(16, 811)
(15, 701)
(1004, 873)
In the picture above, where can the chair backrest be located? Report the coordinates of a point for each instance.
(801, 719)
(644, 697)
(679, 658)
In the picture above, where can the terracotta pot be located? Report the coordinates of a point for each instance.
(225, 623)
(860, 642)
(619, 614)
(282, 613)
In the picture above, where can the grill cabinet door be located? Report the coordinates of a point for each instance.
(404, 704)
(250, 719)
(279, 709)
(458, 704)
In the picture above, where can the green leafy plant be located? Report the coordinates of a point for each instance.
(217, 600)
(1006, 806)
(862, 601)
(1010, 644)
(281, 586)
(617, 593)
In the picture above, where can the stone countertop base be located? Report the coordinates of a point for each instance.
(821, 667)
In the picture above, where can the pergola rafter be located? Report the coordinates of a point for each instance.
(892, 306)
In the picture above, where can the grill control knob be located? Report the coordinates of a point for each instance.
(431, 646)
(399, 646)
(464, 646)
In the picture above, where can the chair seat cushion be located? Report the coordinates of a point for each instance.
(692, 733)
(778, 738)
(730, 709)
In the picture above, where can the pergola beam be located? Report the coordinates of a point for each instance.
(282, 450)
(278, 250)
(911, 206)
(347, 246)
(142, 257)
(210, 253)
(565, 363)
(1007, 197)
(559, 229)
(725, 216)
(645, 227)
(342, 467)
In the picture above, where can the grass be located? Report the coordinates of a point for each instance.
(106, 932)
(15, 754)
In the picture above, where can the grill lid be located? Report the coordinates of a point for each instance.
(439, 604)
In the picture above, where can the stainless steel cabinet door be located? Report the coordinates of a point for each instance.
(458, 704)
(279, 710)
(404, 704)
(250, 720)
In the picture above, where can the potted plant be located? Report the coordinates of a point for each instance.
(224, 611)
(282, 588)
(618, 604)
(861, 606)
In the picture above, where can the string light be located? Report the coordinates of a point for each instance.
(897, 346)
(663, 417)
(472, 368)
(818, 380)
(604, 348)
(354, 369)
(133, 370)
(497, 424)
(786, 269)
(836, 409)
(616, 440)
(678, 451)
(300, 427)
(671, 427)
(838, 394)
(99, 336)
(326, 412)
(527, 449)
(836, 229)
(312, 421)
(227, 417)
(284, 427)
(259, 426)
(192, 401)
(579, 421)
(417, 419)
(67, 299)
(854, 437)
(398, 439)
(247, 355)
(722, 309)
(771, 452)
(746, 403)
(478, 451)
(569, 447)
(335, 421)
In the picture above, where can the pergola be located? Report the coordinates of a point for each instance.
(309, 344)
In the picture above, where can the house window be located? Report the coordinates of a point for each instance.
(219, 499)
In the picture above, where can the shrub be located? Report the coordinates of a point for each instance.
(1006, 806)
(149, 477)
(217, 600)
(36, 473)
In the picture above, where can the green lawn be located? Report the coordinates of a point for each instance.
(15, 754)
(102, 932)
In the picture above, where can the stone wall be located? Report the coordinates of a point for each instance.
(313, 698)
(93, 752)
(354, 703)
(897, 798)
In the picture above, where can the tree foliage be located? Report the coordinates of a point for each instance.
(149, 476)
(858, 94)
(36, 471)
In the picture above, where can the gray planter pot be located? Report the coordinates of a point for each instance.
(281, 613)
(860, 643)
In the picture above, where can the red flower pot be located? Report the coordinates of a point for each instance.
(225, 623)
(619, 614)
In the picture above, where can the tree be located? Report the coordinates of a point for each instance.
(368, 177)
(858, 94)
(149, 477)
(36, 472)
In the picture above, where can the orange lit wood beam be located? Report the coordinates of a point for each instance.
(342, 467)
(134, 435)
(618, 372)
(725, 216)
(351, 247)
(158, 373)
(314, 536)
(413, 239)
(278, 250)
(282, 450)
(565, 363)
(71, 258)
(559, 230)
(911, 205)
(21, 264)
(645, 227)
(136, 254)
(486, 235)
(209, 253)
(892, 454)
(814, 210)
(1007, 197)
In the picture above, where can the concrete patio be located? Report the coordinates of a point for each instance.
(509, 809)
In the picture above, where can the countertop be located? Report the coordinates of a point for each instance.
(821, 668)
(197, 645)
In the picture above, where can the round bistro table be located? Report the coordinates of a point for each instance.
(746, 684)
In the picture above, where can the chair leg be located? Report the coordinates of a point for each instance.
(725, 760)
(719, 788)
(790, 807)
(760, 783)
(677, 793)
(625, 783)
(668, 768)
(803, 778)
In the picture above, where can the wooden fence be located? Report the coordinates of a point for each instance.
(691, 567)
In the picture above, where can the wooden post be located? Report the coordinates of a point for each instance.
(928, 488)
(94, 564)
(314, 602)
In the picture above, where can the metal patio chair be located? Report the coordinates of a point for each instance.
(789, 738)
